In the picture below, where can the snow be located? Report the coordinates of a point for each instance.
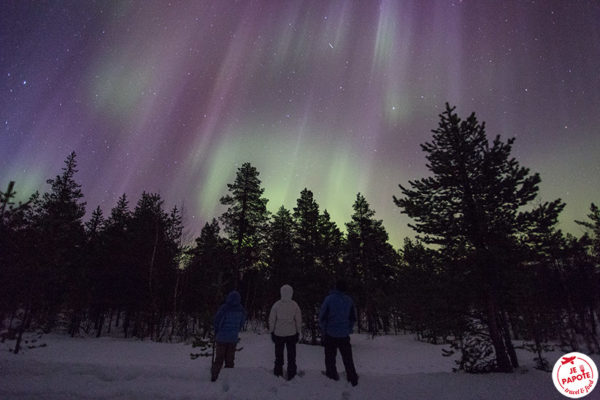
(390, 367)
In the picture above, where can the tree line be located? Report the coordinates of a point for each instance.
(487, 269)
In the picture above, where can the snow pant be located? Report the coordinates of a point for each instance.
(331, 346)
(225, 352)
(290, 344)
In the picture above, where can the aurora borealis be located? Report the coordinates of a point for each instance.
(335, 96)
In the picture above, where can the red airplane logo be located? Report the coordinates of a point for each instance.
(567, 360)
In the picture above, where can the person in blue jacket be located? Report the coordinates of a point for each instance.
(228, 322)
(336, 320)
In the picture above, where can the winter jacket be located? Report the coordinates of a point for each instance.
(229, 319)
(337, 315)
(285, 318)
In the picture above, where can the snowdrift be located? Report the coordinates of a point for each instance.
(390, 367)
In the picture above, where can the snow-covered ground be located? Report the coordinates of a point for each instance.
(390, 367)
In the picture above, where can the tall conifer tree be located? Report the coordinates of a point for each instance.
(209, 273)
(470, 207)
(60, 221)
(331, 241)
(311, 282)
(593, 225)
(282, 255)
(369, 260)
(121, 276)
(246, 217)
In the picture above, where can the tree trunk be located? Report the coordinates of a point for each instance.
(240, 239)
(10, 328)
(512, 354)
(75, 323)
(24, 323)
(502, 358)
(110, 316)
(125, 324)
(593, 333)
(174, 319)
(100, 324)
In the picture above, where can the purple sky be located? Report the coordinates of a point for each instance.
(335, 96)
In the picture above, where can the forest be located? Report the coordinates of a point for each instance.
(488, 270)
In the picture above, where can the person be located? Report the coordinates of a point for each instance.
(285, 325)
(336, 320)
(228, 322)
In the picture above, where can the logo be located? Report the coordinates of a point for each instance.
(575, 375)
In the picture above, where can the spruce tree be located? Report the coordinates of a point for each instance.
(98, 277)
(96, 224)
(331, 242)
(282, 255)
(118, 262)
(62, 238)
(246, 217)
(369, 261)
(175, 226)
(6, 201)
(209, 275)
(18, 260)
(153, 251)
(469, 206)
(120, 215)
(306, 235)
(12, 223)
(311, 280)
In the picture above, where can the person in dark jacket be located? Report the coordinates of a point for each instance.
(228, 322)
(336, 320)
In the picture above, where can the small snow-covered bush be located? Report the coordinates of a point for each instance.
(477, 351)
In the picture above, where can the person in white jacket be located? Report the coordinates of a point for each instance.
(285, 325)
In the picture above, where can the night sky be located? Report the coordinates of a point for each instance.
(335, 96)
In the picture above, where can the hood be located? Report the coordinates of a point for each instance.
(233, 298)
(286, 292)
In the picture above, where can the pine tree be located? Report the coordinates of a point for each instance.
(62, 238)
(175, 226)
(369, 260)
(306, 234)
(120, 215)
(7, 205)
(174, 234)
(17, 261)
(469, 207)
(246, 217)
(537, 233)
(311, 280)
(594, 226)
(587, 251)
(429, 296)
(118, 263)
(13, 221)
(153, 253)
(210, 273)
(96, 223)
(331, 242)
(537, 278)
(282, 255)
(98, 277)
